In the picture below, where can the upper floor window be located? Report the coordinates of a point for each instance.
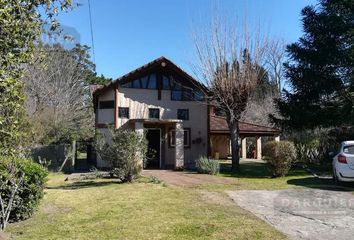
(154, 113)
(146, 82)
(123, 112)
(185, 94)
(169, 82)
(106, 104)
(183, 114)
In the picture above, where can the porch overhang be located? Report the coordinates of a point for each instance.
(139, 125)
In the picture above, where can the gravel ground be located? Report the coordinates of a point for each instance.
(302, 213)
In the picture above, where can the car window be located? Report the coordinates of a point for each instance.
(348, 149)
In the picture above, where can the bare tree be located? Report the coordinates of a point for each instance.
(57, 96)
(9, 185)
(275, 57)
(259, 108)
(230, 63)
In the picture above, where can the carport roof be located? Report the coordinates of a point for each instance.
(218, 125)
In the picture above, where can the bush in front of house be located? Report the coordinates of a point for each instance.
(125, 153)
(279, 156)
(31, 177)
(208, 166)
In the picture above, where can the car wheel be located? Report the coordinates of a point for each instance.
(335, 178)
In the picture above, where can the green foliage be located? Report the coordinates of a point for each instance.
(321, 69)
(124, 153)
(29, 192)
(208, 166)
(330, 140)
(279, 156)
(154, 180)
(307, 145)
(93, 78)
(21, 25)
(313, 146)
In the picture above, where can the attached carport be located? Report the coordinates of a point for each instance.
(219, 135)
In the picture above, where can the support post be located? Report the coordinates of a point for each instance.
(259, 148)
(139, 129)
(116, 108)
(72, 167)
(179, 147)
(277, 139)
(244, 148)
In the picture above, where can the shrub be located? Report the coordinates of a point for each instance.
(208, 166)
(279, 156)
(29, 192)
(124, 154)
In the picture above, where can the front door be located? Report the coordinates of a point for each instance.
(153, 137)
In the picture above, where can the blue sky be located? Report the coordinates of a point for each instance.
(130, 33)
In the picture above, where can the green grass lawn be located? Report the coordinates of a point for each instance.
(255, 175)
(105, 209)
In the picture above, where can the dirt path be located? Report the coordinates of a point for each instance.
(302, 213)
(186, 179)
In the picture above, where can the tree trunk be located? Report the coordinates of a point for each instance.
(235, 148)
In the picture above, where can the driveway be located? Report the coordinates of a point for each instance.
(302, 213)
(186, 179)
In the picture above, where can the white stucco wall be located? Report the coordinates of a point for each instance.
(106, 115)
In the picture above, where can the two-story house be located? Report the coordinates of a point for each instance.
(167, 103)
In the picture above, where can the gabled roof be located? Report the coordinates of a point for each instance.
(147, 68)
(218, 124)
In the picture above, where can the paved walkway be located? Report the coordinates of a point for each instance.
(186, 179)
(302, 213)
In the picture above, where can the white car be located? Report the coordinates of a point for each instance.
(343, 162)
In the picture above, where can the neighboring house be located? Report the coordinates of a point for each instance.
(163, 100)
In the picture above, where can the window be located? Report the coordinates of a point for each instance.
(165, 83)
(176, 95)
(137, 83)
(185, 94)
(146, 82)
(154, 113)
(186, 139)
(152, 83)
(106, 105)
(348, 149)
(198, 96)
(183, 114)
(123, 112)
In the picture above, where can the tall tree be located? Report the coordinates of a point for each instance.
(57, 93)
(230, 63)
(320, 69)
(21, 25)
(261, 103)
(275, 59)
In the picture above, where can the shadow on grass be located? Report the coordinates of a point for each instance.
(84, 184)
(251, 169)
(322, 183)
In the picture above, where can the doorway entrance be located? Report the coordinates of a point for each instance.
(153, 155)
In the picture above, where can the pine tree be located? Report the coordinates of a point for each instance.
(320, 69)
